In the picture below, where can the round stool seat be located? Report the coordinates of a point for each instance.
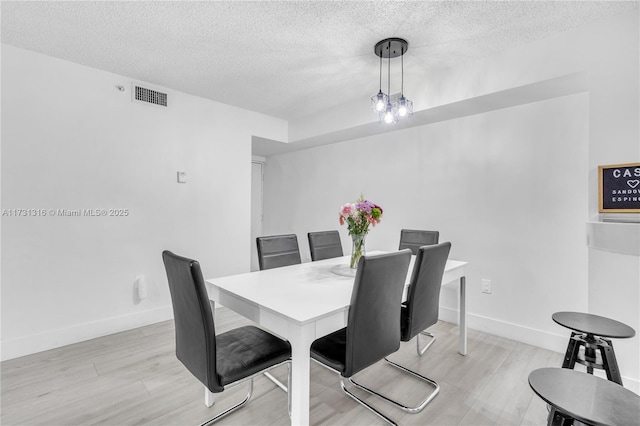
(589, 399)
(593, 324)
(592, 332)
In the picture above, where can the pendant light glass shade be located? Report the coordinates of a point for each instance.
(379, 102)
(390, 112)
(405, 107)
(390, 115)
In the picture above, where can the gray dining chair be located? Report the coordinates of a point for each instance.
(324, 245)
(414, 239)
(420, 311)
(278, 250)
(373, 330)
(222, 360)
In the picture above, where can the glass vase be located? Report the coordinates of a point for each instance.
(357, 249)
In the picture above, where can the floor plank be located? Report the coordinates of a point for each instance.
(134, 378)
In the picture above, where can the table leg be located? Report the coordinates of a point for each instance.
(300, 339)
(462, 312)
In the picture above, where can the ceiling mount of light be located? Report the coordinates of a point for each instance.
(390, 111)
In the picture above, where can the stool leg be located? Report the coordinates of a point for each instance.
(610, 363)
(572, 352)
(557, 418)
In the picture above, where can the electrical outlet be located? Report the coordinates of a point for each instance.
(486, 286)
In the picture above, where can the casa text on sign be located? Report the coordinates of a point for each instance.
(619, 188)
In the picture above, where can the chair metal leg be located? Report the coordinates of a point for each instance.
(209, 397)
(411, 410)
(289, 383)
(345, 390)
(232, 409)
(281, 386)
(369, 407)
(428, 345)
(276, 381)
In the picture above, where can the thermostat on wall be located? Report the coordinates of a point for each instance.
(182, 177)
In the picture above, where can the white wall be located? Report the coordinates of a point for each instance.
(71, 140)
(601, 127)
(614, 127)
(497, 185)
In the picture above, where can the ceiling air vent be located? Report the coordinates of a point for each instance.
(142, 94)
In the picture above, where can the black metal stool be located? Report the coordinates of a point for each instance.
(590, 332)
(574, 395)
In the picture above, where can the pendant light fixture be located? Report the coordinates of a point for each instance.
(388, 110)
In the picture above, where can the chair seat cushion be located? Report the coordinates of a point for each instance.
(245, 351)
(331, 350)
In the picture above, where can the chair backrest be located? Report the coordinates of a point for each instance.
(423, 295)
(373, 327)
(192, 312)
(414, 239)
(278, 250)
(324, 245)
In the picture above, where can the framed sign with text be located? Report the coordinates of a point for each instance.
(619, 188)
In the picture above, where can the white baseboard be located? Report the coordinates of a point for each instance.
(519, 333)
(50, 339)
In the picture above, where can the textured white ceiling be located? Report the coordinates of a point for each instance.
(285, 59)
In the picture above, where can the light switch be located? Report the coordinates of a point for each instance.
(182, 177)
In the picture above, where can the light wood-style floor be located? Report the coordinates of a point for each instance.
(133, 378)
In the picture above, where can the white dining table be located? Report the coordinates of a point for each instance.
(304, 302)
